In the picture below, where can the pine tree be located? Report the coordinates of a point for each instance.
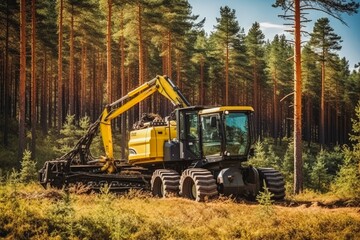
(255, 50)
(310, 76)
(28, 171)
(324, 41)
(279, 69)
(319, 174)
(199, 57)
(238, 70)
(260, 157)
(33, 78)
(22, 84)
(227, 29)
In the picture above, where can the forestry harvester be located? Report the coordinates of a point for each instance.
(197, 152)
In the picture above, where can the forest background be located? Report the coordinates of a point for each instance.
(80, 55)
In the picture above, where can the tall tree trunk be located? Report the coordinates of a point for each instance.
(298, 164)
(22, 82)
(255, 99)
(7, 80)
(45, 99)
(164, 58)
(201, 94)
(337, 125)
(275, 107)
(50, 94)
(71, 63)
(123, 88)
(329, 136)
(33, 80)
(322, 105)
(227, 75)
(83, 99)
(108, 54)
(169, 59)
(93, 86)
(308, 119)
(178, 72)
(141, 52)
(60, 81)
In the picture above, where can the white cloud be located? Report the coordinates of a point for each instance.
(266, 25)
(271, 29)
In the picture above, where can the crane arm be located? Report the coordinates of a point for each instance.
(161, 84)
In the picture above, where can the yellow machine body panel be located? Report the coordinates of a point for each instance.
(224, 108)
(146, 146)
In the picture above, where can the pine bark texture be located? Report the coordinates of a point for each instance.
(298, 164)
(22, 83)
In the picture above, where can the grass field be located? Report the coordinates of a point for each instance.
(29, 212)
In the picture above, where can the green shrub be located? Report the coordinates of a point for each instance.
(347, 182)
(265, 202)
(260, 157)
(319, 174)
(28, 168)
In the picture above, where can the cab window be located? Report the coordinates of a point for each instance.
(211, 138)
(236, 133)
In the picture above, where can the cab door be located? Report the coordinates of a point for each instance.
(189, 134)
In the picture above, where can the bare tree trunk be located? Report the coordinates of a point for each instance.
(178, 71)
(337, 115)
(83, 99)
(71, 63)
(22, 82)
(308, 119)
(169, 59)
(227, 75)
(7, 80)
(50, 95)
(141, 52)
(275, 107)
(256, 100)
(45, 100)
(201, 94)
(60, 81)
(108, 53)
(322, 105)
(298, 165)
(33, 80)
(123, 89)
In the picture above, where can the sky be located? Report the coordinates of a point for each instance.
(261, 11)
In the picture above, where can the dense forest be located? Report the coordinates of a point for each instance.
(64, 58)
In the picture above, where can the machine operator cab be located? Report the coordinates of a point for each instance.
(216, 134)
(199, 135)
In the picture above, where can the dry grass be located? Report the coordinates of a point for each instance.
(32, 213)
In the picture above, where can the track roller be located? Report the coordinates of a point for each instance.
(198, 184)
(165, 182)
(274, 181)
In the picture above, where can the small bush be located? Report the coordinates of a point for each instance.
(265, 202)
(319, 174)
(28, 168)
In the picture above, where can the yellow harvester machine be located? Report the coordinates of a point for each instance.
(196, 152)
